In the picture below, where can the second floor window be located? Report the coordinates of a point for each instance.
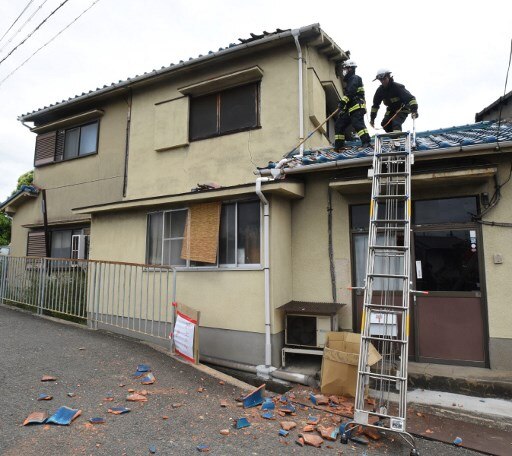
(80, 141)
(229, 111)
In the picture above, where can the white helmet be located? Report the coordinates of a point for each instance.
(382, 73)
(349, 64)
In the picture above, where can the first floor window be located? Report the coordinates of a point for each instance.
(238, 243)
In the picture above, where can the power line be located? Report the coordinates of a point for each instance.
(35, 30)
(16, 20)
(25, 23)
(49, 41)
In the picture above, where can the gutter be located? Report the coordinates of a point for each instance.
(295, 34)
(266, 268)
(352, 162)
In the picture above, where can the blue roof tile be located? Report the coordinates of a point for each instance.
(465, 135)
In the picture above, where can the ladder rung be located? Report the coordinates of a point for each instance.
(383, 308)
(389, 221)
(382, 376)
(392, 174)
(389, 247)
(391, 197)
(389, 276)
(382, 339)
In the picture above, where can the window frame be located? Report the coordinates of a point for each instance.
(74, 231)
(190, 266)
(218, 95)
(80, 127)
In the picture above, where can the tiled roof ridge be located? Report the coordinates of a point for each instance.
(253, 38)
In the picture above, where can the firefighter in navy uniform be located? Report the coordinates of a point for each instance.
(352, 108)
(398, 100)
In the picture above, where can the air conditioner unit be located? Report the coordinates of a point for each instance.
(307, 330)
(79, 246)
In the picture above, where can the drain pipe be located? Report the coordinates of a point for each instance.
(295, 34)
(265, 370)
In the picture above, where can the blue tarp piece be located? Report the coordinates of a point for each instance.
(254, 398)
(242, 423)
(63, 416)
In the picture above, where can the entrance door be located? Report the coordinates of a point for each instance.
(449, 320)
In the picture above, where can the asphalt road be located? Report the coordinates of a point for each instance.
(95, 364)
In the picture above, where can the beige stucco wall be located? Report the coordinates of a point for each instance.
(498, 240)
(280, 258)
(83, 181)
(229, 159)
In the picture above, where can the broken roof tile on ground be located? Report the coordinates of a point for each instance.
(118, 410)
(36, 418)
(255, 397)
(64, 416)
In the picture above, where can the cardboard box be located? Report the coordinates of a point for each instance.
(340, 361)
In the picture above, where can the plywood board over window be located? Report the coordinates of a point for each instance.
(171, 124)
(202, 233)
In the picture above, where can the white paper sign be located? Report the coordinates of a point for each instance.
(419, 272)
(184, 336)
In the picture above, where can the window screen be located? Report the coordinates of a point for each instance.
(224, 112)
(238, 108)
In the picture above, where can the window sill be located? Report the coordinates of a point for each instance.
(219, 135)
(53, 162)
(256, 267)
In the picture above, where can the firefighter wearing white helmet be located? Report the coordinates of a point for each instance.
(352, 108)
(398, 100)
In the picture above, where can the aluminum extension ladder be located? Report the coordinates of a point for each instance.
(385, 315)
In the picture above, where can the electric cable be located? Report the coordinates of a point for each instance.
(504, 93)
(23, 25)
(49, 41)
(16, 20)
(35, 30)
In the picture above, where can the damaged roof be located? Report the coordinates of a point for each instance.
(313, 33)
(447, 138)
(24, 191)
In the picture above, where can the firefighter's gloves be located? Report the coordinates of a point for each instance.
(342, 105)
(414, 114)
(372, 122)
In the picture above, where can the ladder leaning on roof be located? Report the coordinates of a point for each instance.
(385, 316)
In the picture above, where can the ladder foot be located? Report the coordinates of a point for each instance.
(414, 452)
(344, 438)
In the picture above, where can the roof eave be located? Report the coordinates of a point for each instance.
(307, 31)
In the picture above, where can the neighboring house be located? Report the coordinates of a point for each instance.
(149, 165)
(501, 108)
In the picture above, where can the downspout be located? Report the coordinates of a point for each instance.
(295, 34)
(266, 269)
(127, 141)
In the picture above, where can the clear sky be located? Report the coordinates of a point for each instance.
(452, 54)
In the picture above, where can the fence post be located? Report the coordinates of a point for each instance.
(42, 286)
(3, 277)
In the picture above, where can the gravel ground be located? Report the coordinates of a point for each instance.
(94, 364)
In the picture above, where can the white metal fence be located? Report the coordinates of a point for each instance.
(128, 296)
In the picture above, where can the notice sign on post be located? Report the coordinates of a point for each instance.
(185, 334)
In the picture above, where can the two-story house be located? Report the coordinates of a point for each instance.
(172, 168)
(123, 163)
